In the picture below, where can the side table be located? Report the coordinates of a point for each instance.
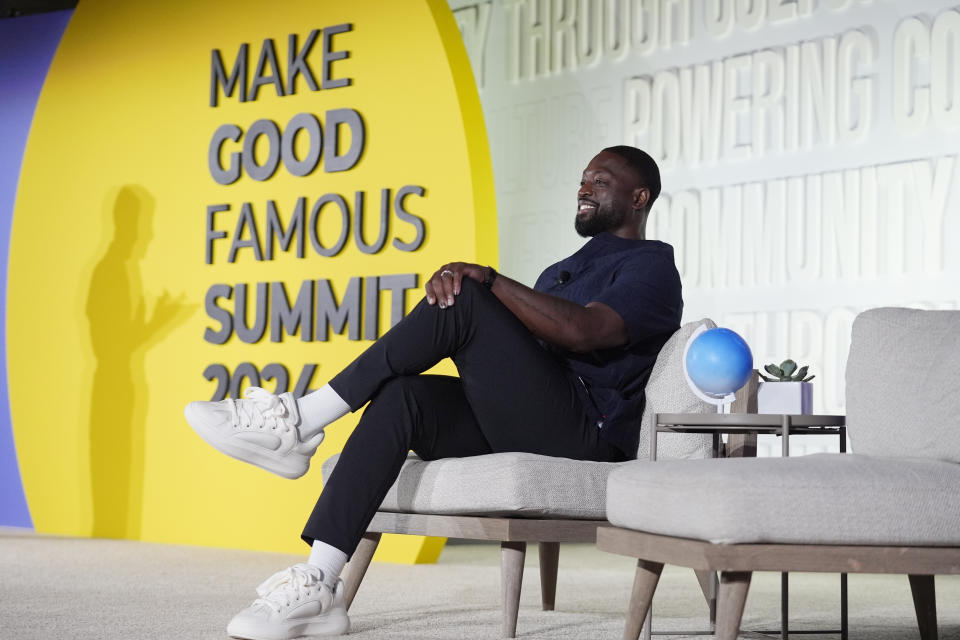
(784, 426)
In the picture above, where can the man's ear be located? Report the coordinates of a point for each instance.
(640, 198)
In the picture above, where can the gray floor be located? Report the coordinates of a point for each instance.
(78, 588)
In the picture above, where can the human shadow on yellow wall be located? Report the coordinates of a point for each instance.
(121, 335)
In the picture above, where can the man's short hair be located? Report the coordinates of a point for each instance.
(644, 165)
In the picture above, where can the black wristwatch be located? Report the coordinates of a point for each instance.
(491, 276)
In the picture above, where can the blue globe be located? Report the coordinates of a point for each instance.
(719, 362)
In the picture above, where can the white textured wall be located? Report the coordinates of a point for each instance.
(808, 151)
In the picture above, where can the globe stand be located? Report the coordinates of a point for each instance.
(722, 401)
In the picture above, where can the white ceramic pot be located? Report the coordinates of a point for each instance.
(785, 397)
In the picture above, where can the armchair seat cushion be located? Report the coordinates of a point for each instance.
(535, 486)
(499, 484)
(835, 499)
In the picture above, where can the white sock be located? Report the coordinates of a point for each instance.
(318, 409)
(328, 559)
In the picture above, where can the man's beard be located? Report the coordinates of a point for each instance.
(603, 219)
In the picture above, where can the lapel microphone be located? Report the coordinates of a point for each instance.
(563, 277)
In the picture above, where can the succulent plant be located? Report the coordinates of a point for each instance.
(786, 372)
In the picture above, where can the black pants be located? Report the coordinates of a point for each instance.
(512, 395)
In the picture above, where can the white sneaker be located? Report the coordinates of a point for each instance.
(261, 429)
(294, 602)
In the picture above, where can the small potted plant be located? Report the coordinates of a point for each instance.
(786, 390)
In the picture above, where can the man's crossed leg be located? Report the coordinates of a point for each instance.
(512, 395)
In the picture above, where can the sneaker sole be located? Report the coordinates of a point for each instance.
(333, 625)
(242, 454)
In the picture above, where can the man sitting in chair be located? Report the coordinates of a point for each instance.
(556, 370)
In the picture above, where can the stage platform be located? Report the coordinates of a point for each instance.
(70, 588)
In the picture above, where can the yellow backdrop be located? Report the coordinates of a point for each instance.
(107, 266)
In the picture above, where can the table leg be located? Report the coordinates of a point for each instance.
(844, 611)
(653, 441)
(785, 605)
(843, 607)
(785, 577)
(785, 435)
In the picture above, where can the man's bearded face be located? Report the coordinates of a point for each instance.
(605, 198)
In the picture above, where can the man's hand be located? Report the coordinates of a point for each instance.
(444, 285)
(566, 324)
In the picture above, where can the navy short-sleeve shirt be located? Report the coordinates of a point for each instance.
(638, 279)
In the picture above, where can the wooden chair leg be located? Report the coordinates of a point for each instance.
(925, 603)
(708, 584)
(644, 584)
(549, 564)
(512, 555)
(358, 565)
(734, 586)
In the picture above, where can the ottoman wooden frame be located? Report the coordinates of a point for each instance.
(737, 562)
